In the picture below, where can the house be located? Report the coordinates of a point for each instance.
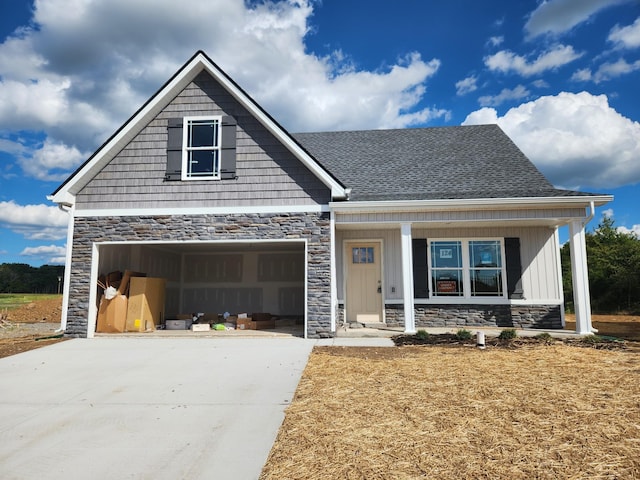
(421, 227)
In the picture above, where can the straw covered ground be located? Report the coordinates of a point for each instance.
(539, 411)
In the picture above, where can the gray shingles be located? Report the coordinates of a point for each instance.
(459, 162)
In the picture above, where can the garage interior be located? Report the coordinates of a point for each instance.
(260, 278)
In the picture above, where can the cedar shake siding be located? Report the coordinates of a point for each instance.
(267, 173)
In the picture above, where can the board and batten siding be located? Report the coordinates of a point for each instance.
(267, 173)
(537, 250)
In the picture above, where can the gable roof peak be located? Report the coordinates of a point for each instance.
(65, 193)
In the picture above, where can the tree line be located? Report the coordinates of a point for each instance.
(23, 278)
(613, 260)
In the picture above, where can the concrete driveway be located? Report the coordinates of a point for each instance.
(139, 408)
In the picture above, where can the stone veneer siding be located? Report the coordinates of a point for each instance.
(512, 316)
(314, 227)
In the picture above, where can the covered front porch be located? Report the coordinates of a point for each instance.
(403, 288)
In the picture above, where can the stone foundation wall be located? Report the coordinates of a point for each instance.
(502, 316)
(314, 227)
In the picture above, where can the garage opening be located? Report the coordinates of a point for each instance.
(215, 282)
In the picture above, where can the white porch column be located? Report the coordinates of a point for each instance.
(580, 277)
(407, 277)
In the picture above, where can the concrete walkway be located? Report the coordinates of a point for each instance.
(140, 408)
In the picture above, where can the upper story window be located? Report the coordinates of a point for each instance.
(466, 268)
(201, 148)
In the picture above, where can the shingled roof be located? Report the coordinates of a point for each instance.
(461, 162)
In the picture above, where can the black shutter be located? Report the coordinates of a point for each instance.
(420, 268)
(174, 149)
(514, 267)
(228, 148)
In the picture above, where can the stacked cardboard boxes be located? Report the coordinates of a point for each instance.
(138, 304)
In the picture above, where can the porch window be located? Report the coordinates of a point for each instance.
(447, 269)
(485, 266)
(201, 148)
(466, 268)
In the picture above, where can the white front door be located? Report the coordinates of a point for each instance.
(364, 282)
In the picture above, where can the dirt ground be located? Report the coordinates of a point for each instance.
(621, 326)
(26, 327)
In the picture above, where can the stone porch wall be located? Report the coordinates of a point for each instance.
(314, 227)
(502, 316)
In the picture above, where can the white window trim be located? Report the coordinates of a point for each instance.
(466, 272)
(185, 147)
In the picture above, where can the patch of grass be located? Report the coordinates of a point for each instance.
(422, 334)
(508, 334)
(545, 337)
(593, 339)
(463, 334)
(15, 300)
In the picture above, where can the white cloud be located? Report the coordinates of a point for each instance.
(635, 230)
(495, 41)
(467, 85)
(53, 161)
(608, 213)
(540, 83)
(86, 66)
(506, 61)
(610, 70)
(576, 139)
(507, 94)
(559, 16)
(51, 254)
(626, 37)
(484, 116)
(582, 75)
(35, 222)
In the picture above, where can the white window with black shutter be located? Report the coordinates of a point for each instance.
(201, 148)
(467, 268)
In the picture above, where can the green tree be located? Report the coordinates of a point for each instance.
(23, 278)
(613, 260)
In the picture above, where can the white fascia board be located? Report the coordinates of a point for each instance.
(63, 197)
(337, 190)
(468, 204)
(149, 212)
(161, 100)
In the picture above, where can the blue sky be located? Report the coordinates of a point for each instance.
(560, 77)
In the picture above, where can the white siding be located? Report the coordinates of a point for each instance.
(537, 250)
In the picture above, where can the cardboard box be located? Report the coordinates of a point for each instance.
(249, 324)
(200, 327)
(177, 324)
(244, 324)
(146, 303)
(264, 324)
(112, 315)
(123, 289)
